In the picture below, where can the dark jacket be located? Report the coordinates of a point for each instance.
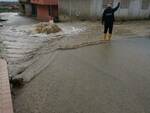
(108, 14)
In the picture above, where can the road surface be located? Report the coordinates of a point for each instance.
(106, 78)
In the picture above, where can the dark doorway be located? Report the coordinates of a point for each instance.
(34, 10)
(23, 8)
(53, 12)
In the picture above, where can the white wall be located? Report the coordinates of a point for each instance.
(145, 12)
(75, 7)
(28, 9)
(94, 9)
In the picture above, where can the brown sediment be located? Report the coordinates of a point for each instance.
(47, 27)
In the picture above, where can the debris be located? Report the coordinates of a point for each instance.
(1, 25)
(47, 27)
(3, 19)
(17, 83)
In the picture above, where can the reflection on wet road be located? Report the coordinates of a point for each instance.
(107, 78)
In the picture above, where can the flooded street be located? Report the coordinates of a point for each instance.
(18, 44)
(107, 78)
(74, 71)
(21, 44)
(23, 47)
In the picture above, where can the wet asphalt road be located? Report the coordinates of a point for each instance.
(107, 78)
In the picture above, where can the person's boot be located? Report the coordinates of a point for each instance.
(110, 37)
(105, 36)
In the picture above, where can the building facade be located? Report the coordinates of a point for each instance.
(25, 7)
(93, 9)
(43, 10)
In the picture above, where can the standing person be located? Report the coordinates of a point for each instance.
(108, 20)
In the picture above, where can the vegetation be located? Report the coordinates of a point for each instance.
(8, 6)
(5, 9)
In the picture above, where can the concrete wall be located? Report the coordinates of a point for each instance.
(28, 10)
(75, 7)
(94, 9)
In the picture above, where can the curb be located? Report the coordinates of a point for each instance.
(5, 93)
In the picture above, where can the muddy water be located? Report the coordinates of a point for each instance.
(19, 44)
(107, 78)
(22, 46)
(19, 48)
(24, 49)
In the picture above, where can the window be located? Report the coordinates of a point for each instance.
(105, 2)
(124, 4)
(145, 4)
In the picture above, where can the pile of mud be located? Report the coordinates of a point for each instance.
(47, 27)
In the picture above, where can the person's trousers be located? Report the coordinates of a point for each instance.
(108, 26)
